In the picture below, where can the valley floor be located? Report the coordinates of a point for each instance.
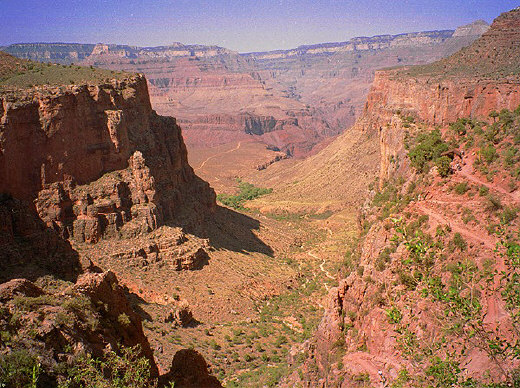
(262, 290)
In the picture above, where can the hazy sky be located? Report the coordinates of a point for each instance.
(245, 25)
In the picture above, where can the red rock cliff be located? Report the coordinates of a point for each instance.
(97, 160)
(463, 85)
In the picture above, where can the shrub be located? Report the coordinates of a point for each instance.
(461, 188)
(361, 378)
(123, 319)
(493, 203)
(18, 368)
(459, 127)
(488, 153)
(247, 192)
(128, 370)
(394, 315)
(383, 259)
(443, 166)
(483, 191)
(509, 214)
(445, 373)
(510, 156)
(429, 146)
(458, 242)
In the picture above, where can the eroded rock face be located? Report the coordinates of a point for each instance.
(103, 288)
(441, 101)
(92, 315)
(356, 305)
(29, 248)
(97, 160)
(180, 315)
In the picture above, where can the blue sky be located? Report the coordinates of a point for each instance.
(245, 25)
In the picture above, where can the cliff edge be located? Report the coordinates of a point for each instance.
(95, 159)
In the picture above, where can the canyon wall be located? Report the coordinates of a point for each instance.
(357, 333)
(97, 160)
(82, 165)
(324, 85)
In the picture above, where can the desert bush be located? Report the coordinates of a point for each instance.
(458, 242)
(443, 166)
(461, 188)
(429, 146)
(19, 368)
(247, 192)
(483, 191)
(488, 153)
(508, 215)
(493, 203)
(125, 370)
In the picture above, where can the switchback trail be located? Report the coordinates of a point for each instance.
(487, 241)
(468, 174)
(327, 274)
(219, 154)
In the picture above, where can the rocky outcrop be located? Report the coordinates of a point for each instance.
(295, 133)
(435, 102)
(441, 101)
(104, 289)
(99, 53)
(476, 28)
(471, 83)
(198, 84)
(92, 315)
(97, 160)
(30, 249)
(189, 370)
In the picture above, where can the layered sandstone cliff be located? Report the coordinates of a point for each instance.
(481, 78)
(82, 166)
(97, 160)
(325, 84)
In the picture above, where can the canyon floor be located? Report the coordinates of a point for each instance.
(262, 290)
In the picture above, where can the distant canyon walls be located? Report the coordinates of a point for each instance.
(289, 99)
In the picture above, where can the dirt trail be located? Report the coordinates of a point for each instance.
(327, 274)
(467, 172)
(219, 154)
(488, 241)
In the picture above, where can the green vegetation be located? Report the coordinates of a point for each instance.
(391, 199)
(125, 370)
(428, 148)
(443, 272)
(461, 188)
(458, 296)
(247, 192)
(28, 74)
(394, 315)
(19, 368)
(497, 144)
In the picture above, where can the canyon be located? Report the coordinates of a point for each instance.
(289, 100)
(377, 319)
(384, 253)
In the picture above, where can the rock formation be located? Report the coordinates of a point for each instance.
(82, 165)
(90, 316)
(294, 99)
(97, 160)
